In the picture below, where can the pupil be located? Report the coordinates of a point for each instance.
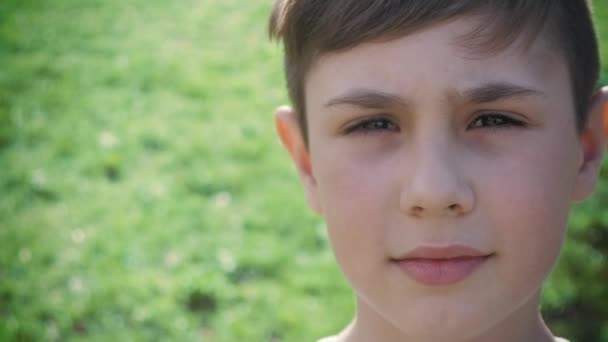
(498, 121)
(380, 124)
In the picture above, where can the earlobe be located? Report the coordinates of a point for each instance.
(593, 143)
(289, 131)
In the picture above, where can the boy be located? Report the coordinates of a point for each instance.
(443, 142)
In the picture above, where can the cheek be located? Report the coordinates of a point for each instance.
(356, 199)
(527, 201)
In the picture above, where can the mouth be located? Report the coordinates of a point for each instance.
(437, 266)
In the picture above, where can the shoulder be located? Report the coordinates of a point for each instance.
(559, 339)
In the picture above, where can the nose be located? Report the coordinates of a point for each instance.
(437, 187)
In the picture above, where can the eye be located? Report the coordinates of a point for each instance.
(373, 125)
(496, 121)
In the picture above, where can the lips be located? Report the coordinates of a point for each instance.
(435, 266)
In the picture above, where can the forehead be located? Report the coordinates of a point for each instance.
(438, 56)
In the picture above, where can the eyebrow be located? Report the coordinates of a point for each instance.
(496, 91)
(367, 98)
(485, 93)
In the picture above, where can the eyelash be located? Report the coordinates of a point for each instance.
(369, 126)
(508, 122)
(366, 127)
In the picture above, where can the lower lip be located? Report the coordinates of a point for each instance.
(437, 272)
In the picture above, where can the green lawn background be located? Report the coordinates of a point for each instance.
(144, 195)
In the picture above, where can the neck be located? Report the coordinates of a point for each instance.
(525, 324)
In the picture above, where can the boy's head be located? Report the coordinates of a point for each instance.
(446, 142)
(310, 29)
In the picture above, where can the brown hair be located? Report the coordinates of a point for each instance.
(311, 28)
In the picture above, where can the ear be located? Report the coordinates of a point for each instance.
(290, 133)
(593, 142)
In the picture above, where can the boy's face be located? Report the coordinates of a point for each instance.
(416, 142)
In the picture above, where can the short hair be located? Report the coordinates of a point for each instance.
(311, 28)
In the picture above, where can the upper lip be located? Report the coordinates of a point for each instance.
(442, 252)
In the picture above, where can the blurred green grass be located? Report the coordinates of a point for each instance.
(144, 194)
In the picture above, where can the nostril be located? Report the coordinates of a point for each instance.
(420, 211)
(417, 210)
